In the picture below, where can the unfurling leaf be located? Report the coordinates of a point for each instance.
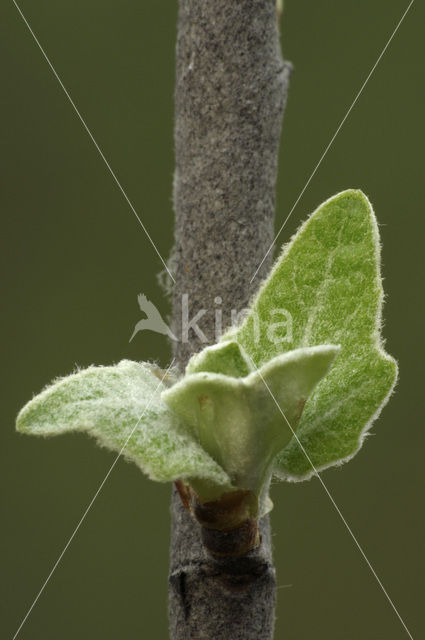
(109, 403)
(328, 279)
(239, 420)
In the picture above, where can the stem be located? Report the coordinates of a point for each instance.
(231, 85)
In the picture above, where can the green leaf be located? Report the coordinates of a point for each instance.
(227, 358)
(108, 403)
(328, 280)
(237, 420)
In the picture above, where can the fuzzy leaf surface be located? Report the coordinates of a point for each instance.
(328, 279)
(237, 420)
(225, 357)
(107, 403)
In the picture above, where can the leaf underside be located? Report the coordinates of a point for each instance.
(328, 279)
(110, 404)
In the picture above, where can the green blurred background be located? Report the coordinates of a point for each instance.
(74, 259)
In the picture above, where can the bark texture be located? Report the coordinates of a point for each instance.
(231, 85)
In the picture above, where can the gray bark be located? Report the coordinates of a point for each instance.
(231, 85)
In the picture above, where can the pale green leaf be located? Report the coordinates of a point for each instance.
(109, 403)
(237, 420)
(328, 280)
(225, 357)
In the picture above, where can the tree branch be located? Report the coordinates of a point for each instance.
(231, 85)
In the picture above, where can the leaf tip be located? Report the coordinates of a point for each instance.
(24, 420)
(349, 197)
